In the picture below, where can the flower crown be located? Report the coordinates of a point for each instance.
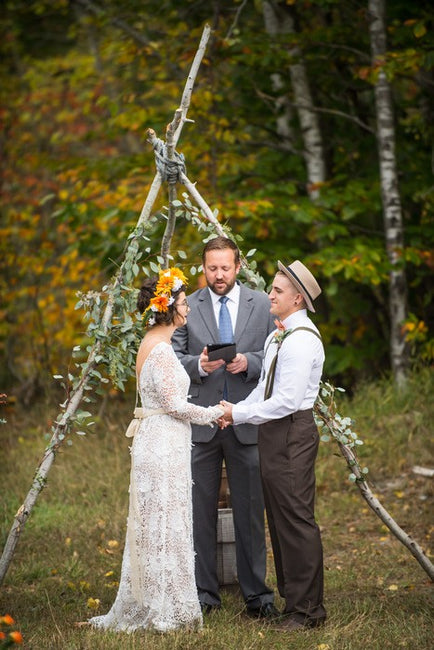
(169, 280)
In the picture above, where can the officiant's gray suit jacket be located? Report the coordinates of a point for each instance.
(254, 323)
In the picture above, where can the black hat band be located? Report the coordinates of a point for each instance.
(300, 283)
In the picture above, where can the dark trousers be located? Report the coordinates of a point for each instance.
(242, 465)
(287, 450)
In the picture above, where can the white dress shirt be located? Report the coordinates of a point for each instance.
(298, 374)
(232, 305)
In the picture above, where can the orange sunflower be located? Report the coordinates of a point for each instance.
(159, 303)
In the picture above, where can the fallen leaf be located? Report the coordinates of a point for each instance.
(93, 603)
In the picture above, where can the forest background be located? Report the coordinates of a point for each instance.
(82, 81)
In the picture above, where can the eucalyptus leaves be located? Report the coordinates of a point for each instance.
(333, 425)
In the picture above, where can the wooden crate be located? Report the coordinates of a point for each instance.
(226, 555)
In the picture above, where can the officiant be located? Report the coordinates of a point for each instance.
(226, 312)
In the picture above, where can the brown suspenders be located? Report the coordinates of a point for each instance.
(272, 370)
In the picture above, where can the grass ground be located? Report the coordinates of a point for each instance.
(68, 556)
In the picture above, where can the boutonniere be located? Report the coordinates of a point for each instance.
(281, 333)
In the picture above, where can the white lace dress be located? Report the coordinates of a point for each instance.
(157, 589)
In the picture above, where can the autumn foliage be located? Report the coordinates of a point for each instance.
(79, 90)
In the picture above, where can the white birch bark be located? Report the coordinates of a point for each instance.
(284, 112)
(392, 212)
(279, 21)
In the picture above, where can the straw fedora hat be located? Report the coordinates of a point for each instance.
(303, 280)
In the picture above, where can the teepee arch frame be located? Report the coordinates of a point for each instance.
(170, 168)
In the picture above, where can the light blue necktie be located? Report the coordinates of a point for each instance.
(225, 323)
(225, 329)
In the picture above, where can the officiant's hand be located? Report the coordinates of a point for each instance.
(209, 366)
(238, 364)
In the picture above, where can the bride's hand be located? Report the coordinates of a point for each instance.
(228, 411)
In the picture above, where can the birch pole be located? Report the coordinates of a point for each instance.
(381, 512)
(64, 421)
(330, 423)
(392, 211)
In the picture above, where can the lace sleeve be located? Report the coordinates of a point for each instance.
(166, 370)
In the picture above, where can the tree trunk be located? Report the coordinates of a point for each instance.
(283, 107)
(278, 20)
(392, 211)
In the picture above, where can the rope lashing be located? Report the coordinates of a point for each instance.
(170, 170)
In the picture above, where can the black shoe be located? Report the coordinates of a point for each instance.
(267, 610)
(207, 608)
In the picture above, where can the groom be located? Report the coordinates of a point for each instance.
(226, 311)
(282, 405)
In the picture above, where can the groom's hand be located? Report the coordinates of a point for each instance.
(227, 416)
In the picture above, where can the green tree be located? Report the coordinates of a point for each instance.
(81, 83)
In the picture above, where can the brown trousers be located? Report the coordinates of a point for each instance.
(287, 449)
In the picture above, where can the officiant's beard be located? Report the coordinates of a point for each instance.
(222, 288)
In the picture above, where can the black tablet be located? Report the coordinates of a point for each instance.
(226, 351)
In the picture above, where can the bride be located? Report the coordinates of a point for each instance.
(157, 588)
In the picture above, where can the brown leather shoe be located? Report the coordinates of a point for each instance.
(288, 624)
